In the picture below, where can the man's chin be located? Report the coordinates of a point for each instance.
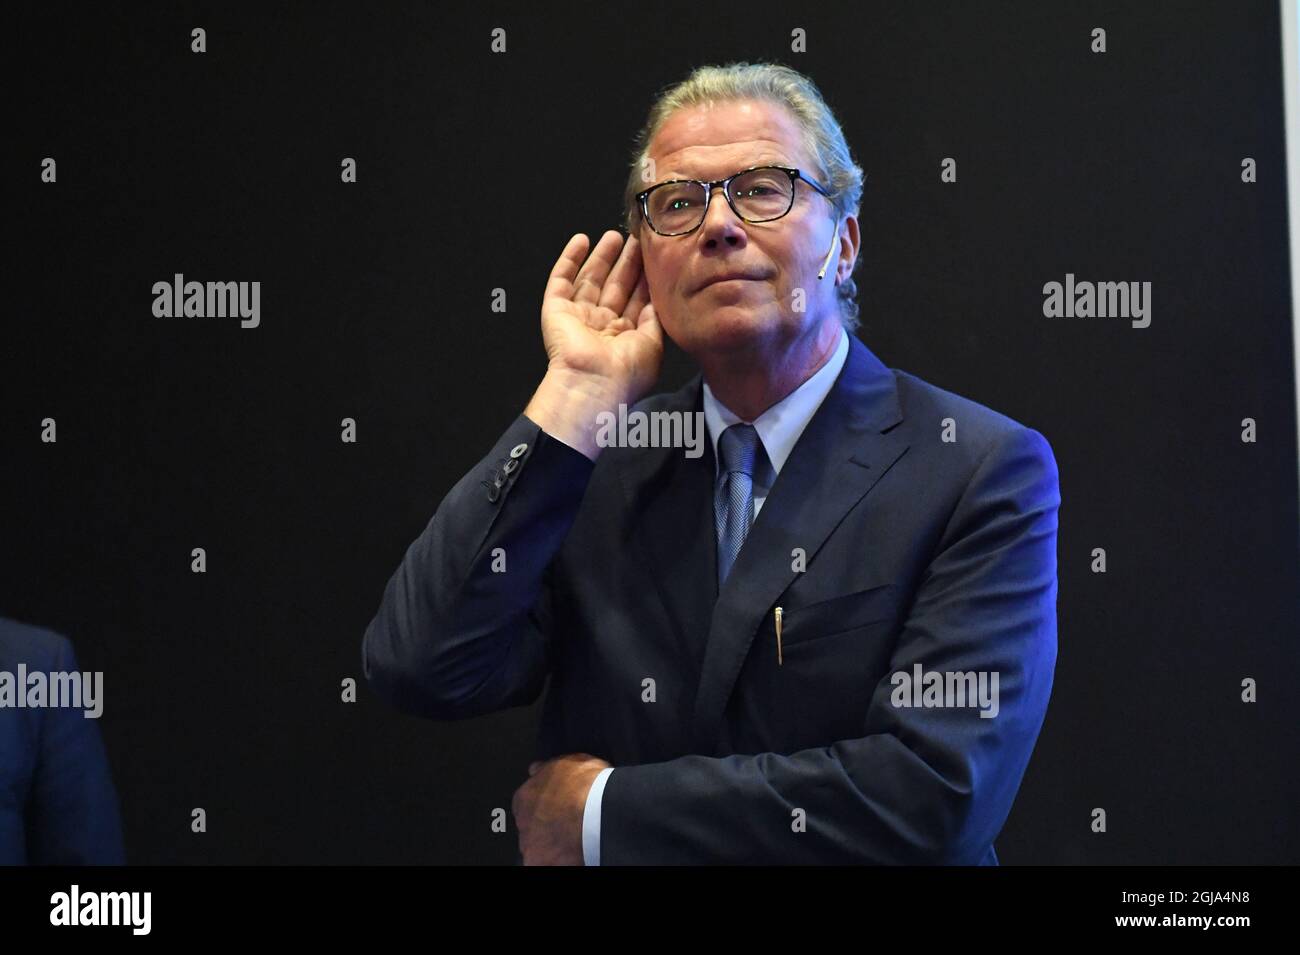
(733, 328)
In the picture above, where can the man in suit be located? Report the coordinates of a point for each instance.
(57, 801)
(902, 531)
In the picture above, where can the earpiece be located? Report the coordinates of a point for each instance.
(835, 240)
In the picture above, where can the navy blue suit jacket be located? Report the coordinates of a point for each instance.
(918, 551)
(57, 801)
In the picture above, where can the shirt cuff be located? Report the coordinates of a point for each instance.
(591, 819)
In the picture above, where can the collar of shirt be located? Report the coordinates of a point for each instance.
(780, 426)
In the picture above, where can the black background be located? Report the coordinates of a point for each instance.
(223, 689)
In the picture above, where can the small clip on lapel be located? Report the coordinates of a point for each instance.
(778, 637)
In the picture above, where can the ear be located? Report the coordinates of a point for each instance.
(855, 240)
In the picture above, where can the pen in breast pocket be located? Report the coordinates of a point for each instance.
(779, 614)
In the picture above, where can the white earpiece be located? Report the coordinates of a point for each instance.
(834, 242)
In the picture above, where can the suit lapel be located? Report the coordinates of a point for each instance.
(671, 496)
(839, 456)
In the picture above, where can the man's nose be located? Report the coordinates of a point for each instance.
(720, 223)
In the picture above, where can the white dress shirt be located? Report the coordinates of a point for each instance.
(779, 428)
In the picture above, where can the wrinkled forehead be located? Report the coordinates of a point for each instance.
(717, 139)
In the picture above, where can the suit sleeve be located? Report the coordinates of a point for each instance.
(464, 625)
(921, 785)
(73, 814)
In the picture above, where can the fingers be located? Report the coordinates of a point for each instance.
(560, 282)
(611, 278)
(624, 277)
(647, 323)
(637, 300)
(591, 277)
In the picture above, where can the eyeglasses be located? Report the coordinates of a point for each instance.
(757, 194)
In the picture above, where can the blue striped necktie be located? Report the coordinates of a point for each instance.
(733, 498)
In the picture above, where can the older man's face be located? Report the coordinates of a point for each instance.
(783, 255)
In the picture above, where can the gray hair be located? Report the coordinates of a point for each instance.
(823, 139)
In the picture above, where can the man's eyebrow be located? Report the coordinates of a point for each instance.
(769, 161)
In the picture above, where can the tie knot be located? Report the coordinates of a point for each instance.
(738, 447)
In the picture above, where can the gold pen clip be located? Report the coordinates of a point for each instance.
(778, 636)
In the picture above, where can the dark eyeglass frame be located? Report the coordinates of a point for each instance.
(793, 173)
